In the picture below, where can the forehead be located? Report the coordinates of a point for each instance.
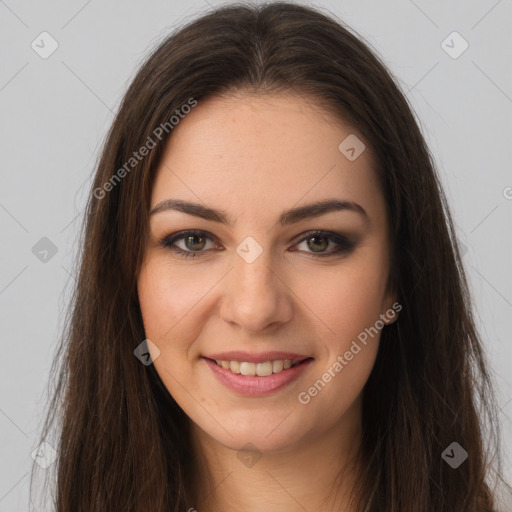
(266, 153)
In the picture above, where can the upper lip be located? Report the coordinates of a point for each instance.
(239, 355)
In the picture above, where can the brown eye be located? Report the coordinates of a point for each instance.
(189, 243)
(195, 242)
(324, 244)
(318, 243)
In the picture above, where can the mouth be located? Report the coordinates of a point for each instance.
(264, 375)
(259, 369)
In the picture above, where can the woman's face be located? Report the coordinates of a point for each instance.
(265, 276)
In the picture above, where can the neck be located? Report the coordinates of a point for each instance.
(311, 474)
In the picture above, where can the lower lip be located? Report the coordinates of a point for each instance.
(252, 384)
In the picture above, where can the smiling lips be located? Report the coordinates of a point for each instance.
(257, 374)
(262, 365)
(263, 369)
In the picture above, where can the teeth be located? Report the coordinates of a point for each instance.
(247, 368)
(260, 369)
(277, 366)
(264, 369)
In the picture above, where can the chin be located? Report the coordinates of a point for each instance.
(268, 433)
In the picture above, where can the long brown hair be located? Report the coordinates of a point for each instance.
(122, 440)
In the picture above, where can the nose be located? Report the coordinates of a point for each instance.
(256, 297)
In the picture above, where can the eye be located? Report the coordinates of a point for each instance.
(317, 243)
(188, 243)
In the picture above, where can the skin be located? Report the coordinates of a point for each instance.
(254, 157)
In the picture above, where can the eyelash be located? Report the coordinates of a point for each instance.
(344, 245)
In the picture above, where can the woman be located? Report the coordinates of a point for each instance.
(271, 312)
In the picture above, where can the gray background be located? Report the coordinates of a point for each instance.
(55, 113)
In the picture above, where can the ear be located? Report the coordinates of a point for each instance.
(391, 308)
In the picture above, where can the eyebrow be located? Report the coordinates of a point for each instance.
(290, 216)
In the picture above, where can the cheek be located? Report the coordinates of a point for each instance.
(346, 300)
(167, 299)
(175, 303)
(348, 305)
(168, 296)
